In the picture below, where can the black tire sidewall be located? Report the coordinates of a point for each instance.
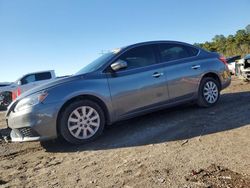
(201, 98)
(63, 121)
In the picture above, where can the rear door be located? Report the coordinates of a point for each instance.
(182, 69)
(139, 86)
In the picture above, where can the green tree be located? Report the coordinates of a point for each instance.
(237, 44)
(241, 40)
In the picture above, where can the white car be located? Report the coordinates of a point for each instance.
(231, 61)
(28, 81)
(231, 67)
(4, 84)
(243, 68)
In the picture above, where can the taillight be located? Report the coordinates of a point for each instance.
(223, 60)
(16, 93)
(13, 95)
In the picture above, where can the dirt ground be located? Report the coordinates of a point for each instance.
(184, 146)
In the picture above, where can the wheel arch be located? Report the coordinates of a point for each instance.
(84, 97)
(214, 76)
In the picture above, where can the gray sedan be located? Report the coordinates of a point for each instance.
(121, 84)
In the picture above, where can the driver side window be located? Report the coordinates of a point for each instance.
(139, 57)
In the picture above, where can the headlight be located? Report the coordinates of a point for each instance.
(30, 101)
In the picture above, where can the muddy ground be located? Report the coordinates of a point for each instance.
(185, 146)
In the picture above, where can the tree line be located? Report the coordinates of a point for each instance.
(237, 44)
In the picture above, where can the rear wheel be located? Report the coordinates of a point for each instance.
(209, 92)
(81, 122)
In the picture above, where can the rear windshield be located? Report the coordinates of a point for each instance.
(43, 76)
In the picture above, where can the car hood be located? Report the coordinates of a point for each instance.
(46, 86)
(50, 84)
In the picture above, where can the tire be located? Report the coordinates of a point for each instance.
(81, 122)
(209, 92)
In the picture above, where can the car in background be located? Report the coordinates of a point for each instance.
(119, 85)
(231, 61)
(28, 82)
(4, 102)
(4, 84)
(5, 99)
(243, 68)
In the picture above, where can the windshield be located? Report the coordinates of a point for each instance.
(94, 65)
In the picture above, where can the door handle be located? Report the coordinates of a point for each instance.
(196, 66)
(157, 74)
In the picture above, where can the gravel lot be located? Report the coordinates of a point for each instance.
(184, 146)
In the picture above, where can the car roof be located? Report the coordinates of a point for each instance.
(158, 42)
(38, 72)
(124, 48)
(34, 73)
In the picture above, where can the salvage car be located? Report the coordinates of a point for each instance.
(243, 68)
(5, 99)
(120, 84)
(4, 84)
(231, 61)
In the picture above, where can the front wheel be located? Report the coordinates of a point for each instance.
(209, 92)
(81, 122)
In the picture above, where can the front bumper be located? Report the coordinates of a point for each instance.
(246, 74)
(24, 134)
(34, 124)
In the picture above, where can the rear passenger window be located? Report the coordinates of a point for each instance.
(192, 51)
(170, 52)
(43, 76)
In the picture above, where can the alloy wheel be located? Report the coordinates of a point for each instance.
(210, 92)
(83, 122)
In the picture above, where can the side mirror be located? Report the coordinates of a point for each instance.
(19, 82)
(120, 64)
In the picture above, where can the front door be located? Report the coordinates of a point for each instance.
(139, 86)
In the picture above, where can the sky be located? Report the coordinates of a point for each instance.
(65, 35)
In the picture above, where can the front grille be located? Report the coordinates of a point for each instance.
(27, 132)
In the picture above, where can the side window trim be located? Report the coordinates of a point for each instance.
(189, 48)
